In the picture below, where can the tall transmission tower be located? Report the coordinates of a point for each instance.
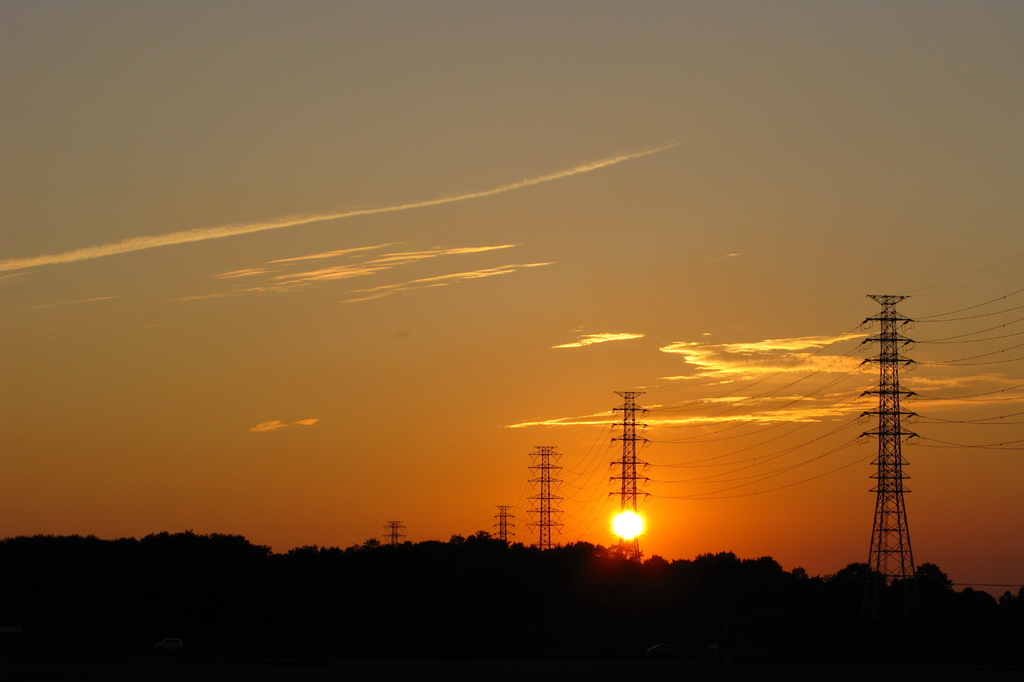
(506, 529)
(891, 554)
(544, 468)
(393, 531)
(630, 477)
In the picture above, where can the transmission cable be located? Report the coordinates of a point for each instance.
(975, 317)
(972, 395)
(987, 338)
(973, 357)
(769, 457)
(980, 422)
(714, 494)
(703, 496)
(972, 307)
(990, 446)
(970, 274)
(945, 339)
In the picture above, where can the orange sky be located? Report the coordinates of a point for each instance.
(296, 269)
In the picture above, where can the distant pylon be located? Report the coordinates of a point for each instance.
(890, 554)
(393, 531)
(544, 467)
(506, 529)
(630, 477)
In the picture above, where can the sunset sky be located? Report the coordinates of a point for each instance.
(295, 269)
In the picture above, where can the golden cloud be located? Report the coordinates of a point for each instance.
(591, 339)
(769, 356)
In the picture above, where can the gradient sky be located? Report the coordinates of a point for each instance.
(295, 269)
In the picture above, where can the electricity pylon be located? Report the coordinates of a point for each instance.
(630, 479)
(891, 555)
(544, 467)
(506, 529)
(393, 531)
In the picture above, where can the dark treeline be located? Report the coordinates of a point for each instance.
(468, 597)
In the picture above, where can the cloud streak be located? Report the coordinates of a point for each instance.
(438, 281)
(78, 300)
(591, 339)
(201, 234)
(295, 281)
(385, 262)
(278, 424)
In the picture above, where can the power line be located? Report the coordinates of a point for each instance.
(979, 422)
(715, 494)
(968, 286)
(971, 307)
(974, 317)
(972, 395)
(751, 447)
(990, 446)
(970, 274)
(973, 357)
(761, 458)
(948, 339)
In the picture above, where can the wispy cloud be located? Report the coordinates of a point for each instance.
(764, 357)
(721, 258)
(375, 265)
(438, 281)
(248, 272)
(790, 408)
(268, 426)
(79, 300)
(361, 267)
(201, 234)
(277, 424)
(591, 339)
(583, 420)
(333, 254)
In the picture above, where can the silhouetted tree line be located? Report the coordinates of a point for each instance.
(469, 596)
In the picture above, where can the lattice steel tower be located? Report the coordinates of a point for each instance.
(890, 555)
(630, 477)
(393, 531)
(506, 529)
(544, 468)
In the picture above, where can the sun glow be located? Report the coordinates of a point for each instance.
(628, 525)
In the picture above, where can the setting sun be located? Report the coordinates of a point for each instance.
(628, 525)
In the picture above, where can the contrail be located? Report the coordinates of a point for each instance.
(203, 233)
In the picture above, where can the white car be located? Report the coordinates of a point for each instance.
(170, 645)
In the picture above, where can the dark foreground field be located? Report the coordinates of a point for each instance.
(314, 670)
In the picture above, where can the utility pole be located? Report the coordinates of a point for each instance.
(393, 531)
(506, 529)
(891, 555)
(544, 467)
(630, 477)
